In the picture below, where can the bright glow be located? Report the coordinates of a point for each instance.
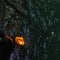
(20, 40)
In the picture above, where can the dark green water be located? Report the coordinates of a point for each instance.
(39, 22)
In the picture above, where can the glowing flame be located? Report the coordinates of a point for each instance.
(20, 40)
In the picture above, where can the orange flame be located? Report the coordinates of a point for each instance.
(20, 40)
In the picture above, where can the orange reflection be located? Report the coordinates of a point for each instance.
(20, 40)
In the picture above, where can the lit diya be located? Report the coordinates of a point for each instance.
(20, 40)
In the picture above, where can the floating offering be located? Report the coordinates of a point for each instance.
(20, 40)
